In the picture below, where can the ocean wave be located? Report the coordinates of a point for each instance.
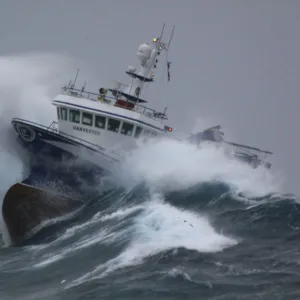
(172, 219)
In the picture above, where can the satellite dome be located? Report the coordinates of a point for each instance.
(144, 52)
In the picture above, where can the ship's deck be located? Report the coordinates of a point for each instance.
(110, 100)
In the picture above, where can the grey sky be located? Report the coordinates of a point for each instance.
(236, 63)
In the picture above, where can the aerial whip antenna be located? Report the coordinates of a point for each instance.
(162, 32)
(75, 79)
(171, 37)
(168, 47)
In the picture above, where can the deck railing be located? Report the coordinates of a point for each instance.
(143, 110)
(53, 127)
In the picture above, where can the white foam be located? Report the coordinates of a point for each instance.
(98, 217)
(174, 165)
(84, 242)
(121, 213)
(26, 83)
(162, 227)
(104, 235)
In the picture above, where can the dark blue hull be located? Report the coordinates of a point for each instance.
(49, 162)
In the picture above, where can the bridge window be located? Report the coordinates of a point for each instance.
(64, 113)
(138, 131)
(58, 114)
(74, 116)
(113, 125)
(87, 119)
(100, 121)
(127, 129)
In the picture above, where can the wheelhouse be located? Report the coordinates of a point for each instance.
(95, 123)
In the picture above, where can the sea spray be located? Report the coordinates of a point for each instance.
(27, 84)
(174, 165)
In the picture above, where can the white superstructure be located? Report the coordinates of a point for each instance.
(116, 116)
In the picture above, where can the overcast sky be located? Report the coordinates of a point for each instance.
(236, 63)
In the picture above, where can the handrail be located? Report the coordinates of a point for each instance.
(248, 147)
(55, 130)
(146, 111)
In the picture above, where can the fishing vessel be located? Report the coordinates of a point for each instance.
(101, 126)
(96, 129)
(91, 133)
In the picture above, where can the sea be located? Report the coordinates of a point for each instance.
(171, 222)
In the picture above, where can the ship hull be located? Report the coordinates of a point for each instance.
(60, 152)
(27, 209)
(63, 178)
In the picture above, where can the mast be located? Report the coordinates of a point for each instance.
(147, 56)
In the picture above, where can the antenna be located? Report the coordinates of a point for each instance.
(165, 113)
(75, 79)
(161, 34)
(82, 89)
(171, 37)
(167, 48)
(168, 63)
